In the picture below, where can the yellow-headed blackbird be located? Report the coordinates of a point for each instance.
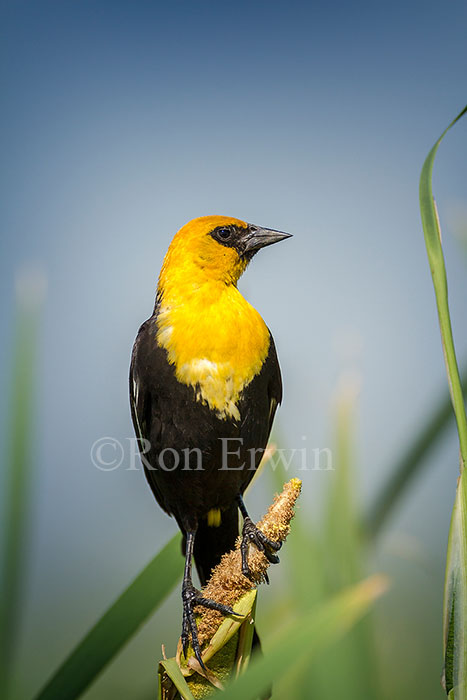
(204, 387)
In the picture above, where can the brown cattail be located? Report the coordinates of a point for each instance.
(227, 583)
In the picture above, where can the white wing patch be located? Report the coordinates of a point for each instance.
(164, 336)
(135, 408)
(215, 385)
(272, 407)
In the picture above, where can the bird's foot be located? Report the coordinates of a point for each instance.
(252, 535)
(191, 597)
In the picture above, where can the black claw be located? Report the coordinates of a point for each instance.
(191, 598)
(251, 535)
(270, 544)
(246, 571)
(224, 609)
(272, 558)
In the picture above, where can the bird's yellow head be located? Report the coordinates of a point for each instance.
(213, 249)
(200, 310)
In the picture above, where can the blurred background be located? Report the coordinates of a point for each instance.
(122, 121)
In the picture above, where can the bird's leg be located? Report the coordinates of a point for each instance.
(252, 535)
(191, 597)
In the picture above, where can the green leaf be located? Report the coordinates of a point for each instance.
(306, 638)
(18, 465)
(345, 552)
(434, 249)
(458, 693)
(117, 625)
(455, 591)
(172, 670)
(230, 625)
(341, 525)
(411, 462)
(455, 595)
(245, 641)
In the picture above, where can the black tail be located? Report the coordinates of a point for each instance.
(212, 542)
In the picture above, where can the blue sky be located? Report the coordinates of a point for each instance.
(121, 121)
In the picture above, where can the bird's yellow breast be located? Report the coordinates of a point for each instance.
(216, 341)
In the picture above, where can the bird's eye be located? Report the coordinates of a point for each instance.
(224, 233)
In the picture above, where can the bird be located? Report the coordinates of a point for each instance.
(205, 384)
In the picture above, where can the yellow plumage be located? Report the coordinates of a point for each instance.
(215, 339)
(214, 517)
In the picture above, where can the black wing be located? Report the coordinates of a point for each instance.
(141, 405)
(258, 406)
(275, 383)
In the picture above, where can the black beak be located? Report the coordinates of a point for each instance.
(258, 237)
